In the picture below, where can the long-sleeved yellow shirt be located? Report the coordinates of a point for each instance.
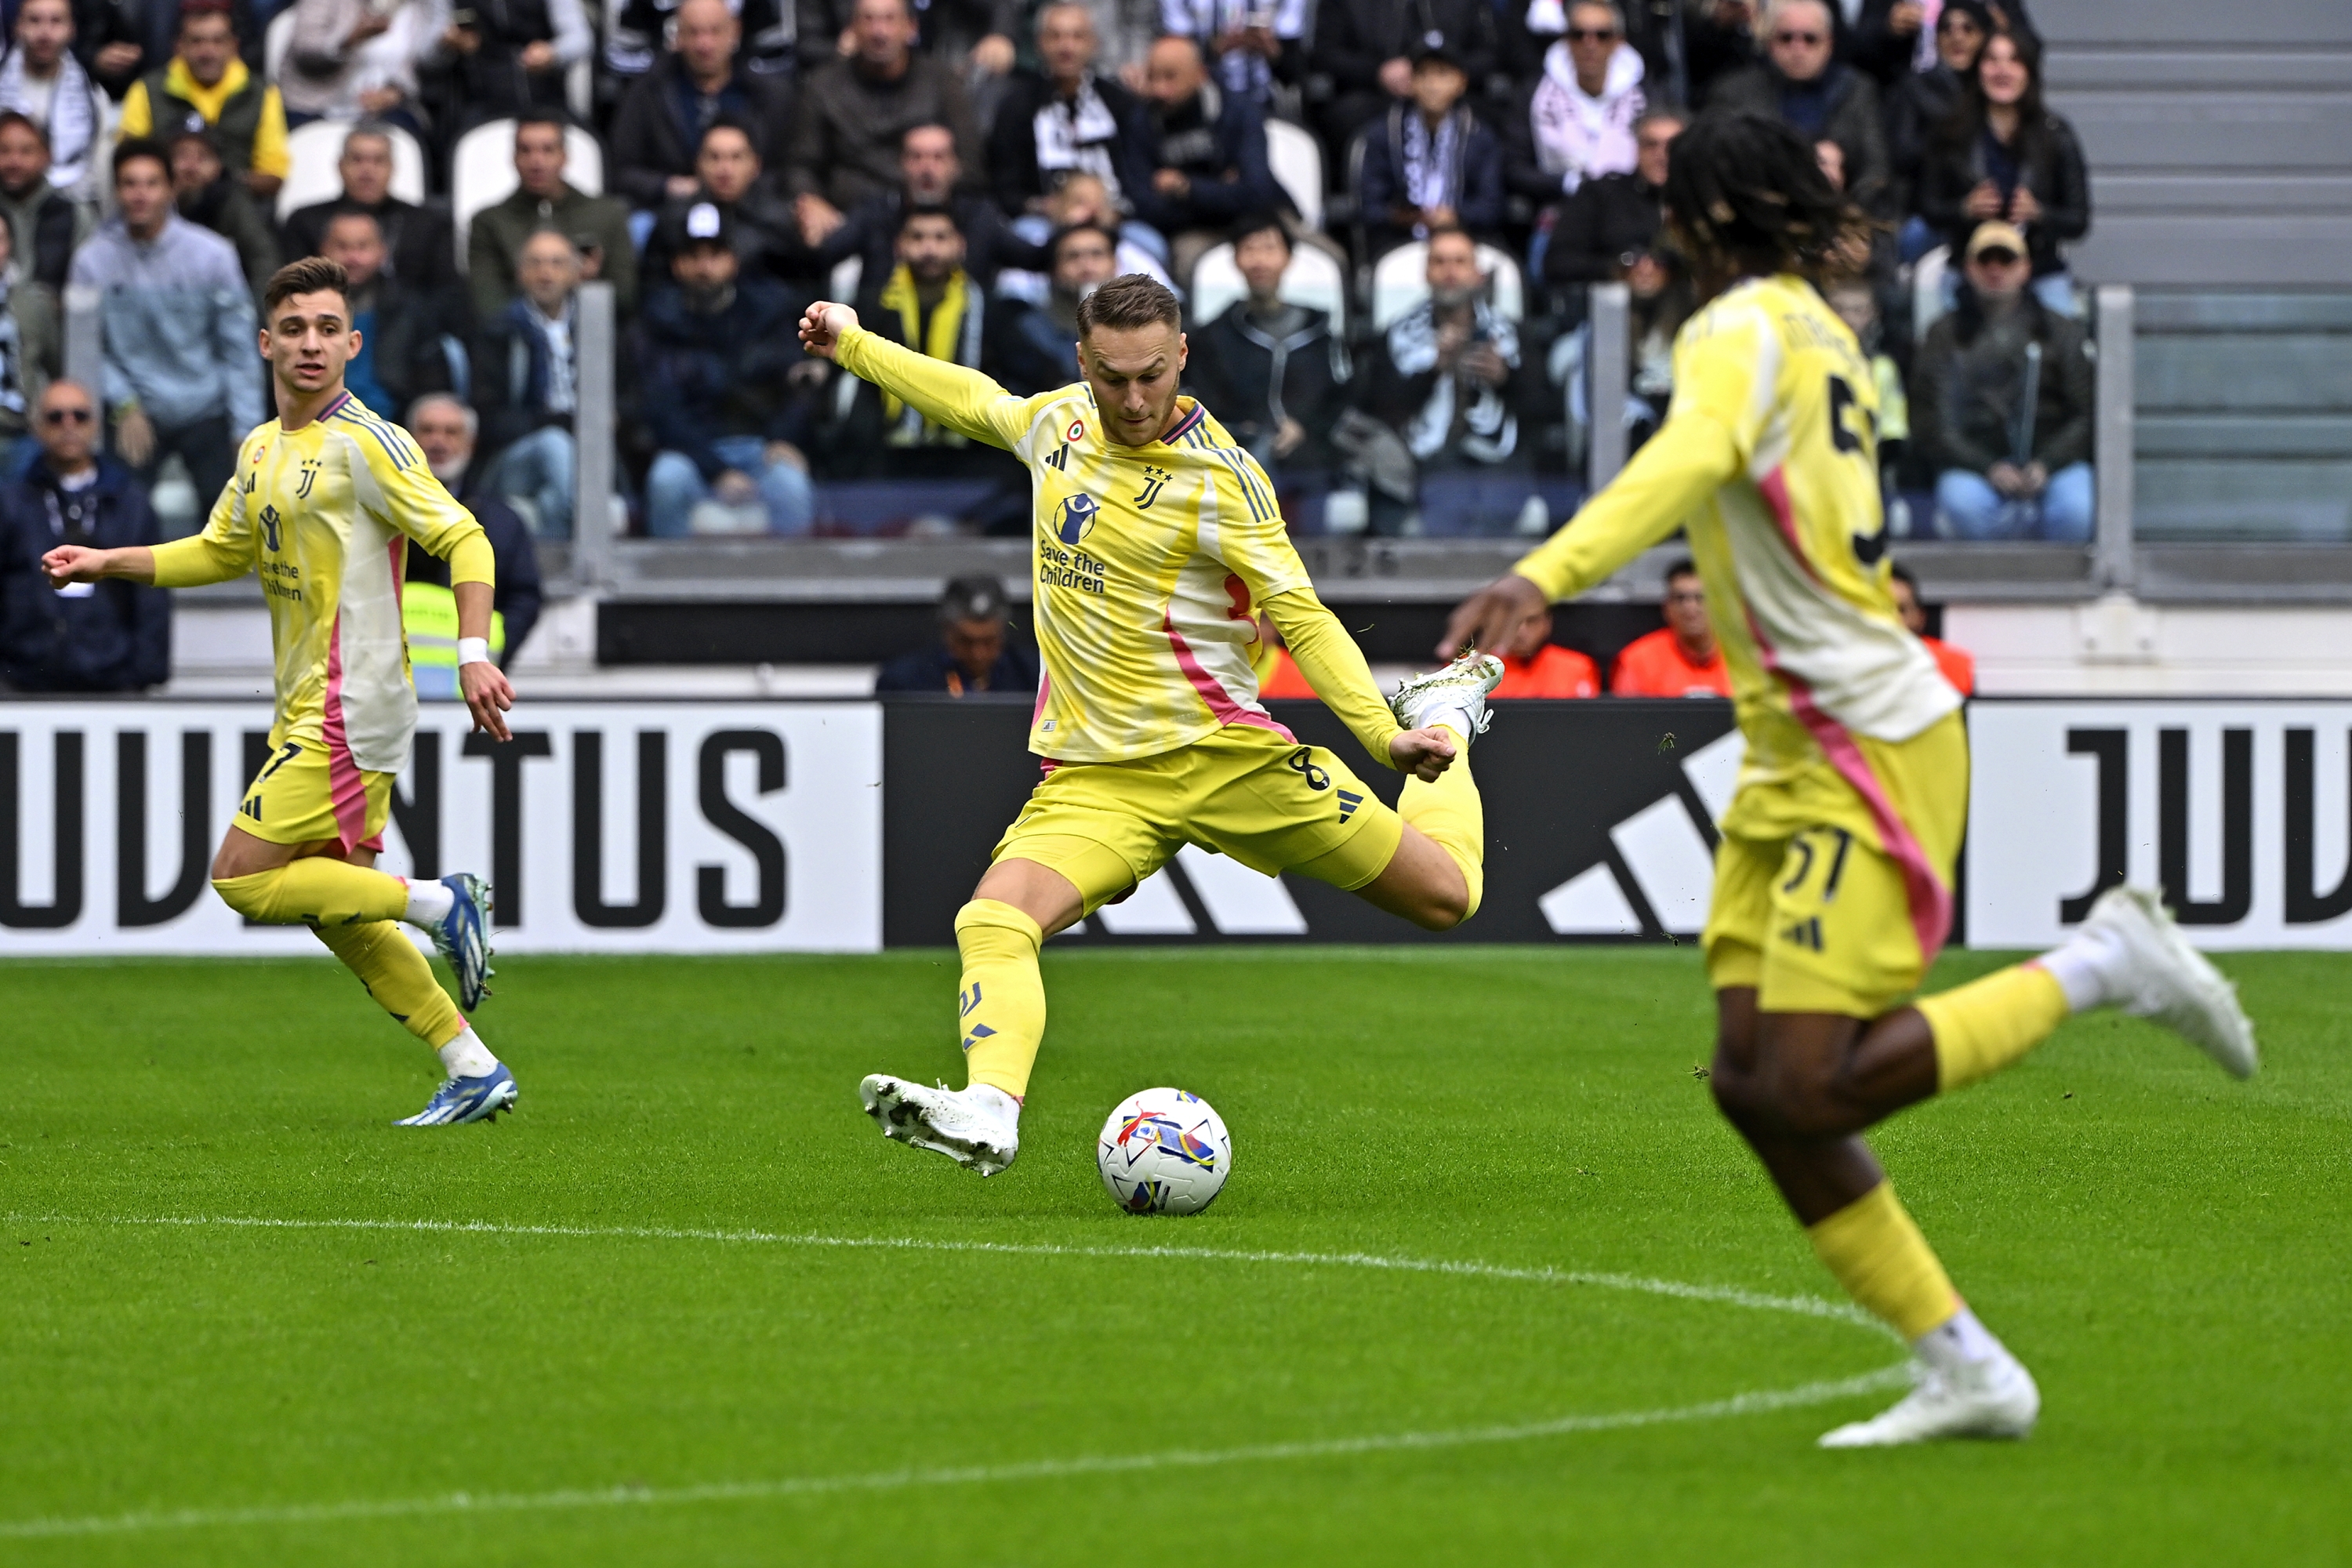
(1150, 566)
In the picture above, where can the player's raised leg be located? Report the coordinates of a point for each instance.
(1443, 810)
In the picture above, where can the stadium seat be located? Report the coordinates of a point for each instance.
(275, 41)
(316, 148)
(1296, 160)
(1313, 278)
(1400, 282)
(482, 173)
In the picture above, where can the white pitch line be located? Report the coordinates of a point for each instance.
(1752, 1404)
(1725, 1295)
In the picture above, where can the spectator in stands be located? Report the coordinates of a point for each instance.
(1610, 223)
(597, 226)
(1959, 667)
(32, 352)
(1680, 659)
(1253, 45)
(975, 651)
(527, 384)
(1210, 155)
(445, 429)
(854, 113)
(635, 39)
(2002, 155)
(1366, 48)
(2004, 404)
(1430, 164)
(714, 355)
(358, 59)
(759, 224)
(1921, 101)
(181, 376)
(1718, 40)
(207, 196)
(105, 41)
(1800, 83)
(1063, 120)
(1535, 666)
(416, 239)
(43, 81)
(406, 334)
(1577, 119)
(499, 59)
(974, 39)
(1276, 374)
(1449, 379)
(930, 174)
(1082, 201)
(46, 225)
(1882, 39)
(658, 135)
(929, 302)
(205, 85)
(1036, 345)
(101, 637)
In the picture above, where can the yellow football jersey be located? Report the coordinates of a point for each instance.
(325, 514)
(1150, 560)
(1769, 455)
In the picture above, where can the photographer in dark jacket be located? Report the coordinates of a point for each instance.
(104, 636)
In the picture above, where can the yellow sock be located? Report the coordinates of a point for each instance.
(1003, 996)
(397, 976)
(1451, 814)
(316, 891)
(1878, 1255)
(1984, 1025)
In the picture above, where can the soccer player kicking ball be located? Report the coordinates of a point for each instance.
(324, 503)
(1833, 887)
(1157, 543)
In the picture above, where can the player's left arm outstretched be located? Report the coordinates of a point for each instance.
(408, 498)
(220, 552)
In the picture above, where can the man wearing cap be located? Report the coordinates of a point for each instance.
(2001, 404)
(1367, 48)
(975, 651)
(206, 86)
(716, 353)
(1431, 164)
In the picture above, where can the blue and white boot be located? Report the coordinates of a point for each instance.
(1455, 696)
(463, 937)
(461, 1099)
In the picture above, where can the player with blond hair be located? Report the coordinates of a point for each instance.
(1157, 544)
(1834, 880)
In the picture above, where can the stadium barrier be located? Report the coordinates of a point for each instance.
(850, 825)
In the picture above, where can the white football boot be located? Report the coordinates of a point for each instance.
(1991, 1398)
(1455, 696)
(2150, 972)
(964, 1124)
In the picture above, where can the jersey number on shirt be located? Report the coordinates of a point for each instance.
(1867, 548)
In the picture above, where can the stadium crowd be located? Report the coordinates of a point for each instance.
(1385, 219)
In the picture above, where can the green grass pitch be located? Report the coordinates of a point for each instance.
(2165, 1248)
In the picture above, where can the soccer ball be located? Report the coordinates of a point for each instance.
(1164, 1152)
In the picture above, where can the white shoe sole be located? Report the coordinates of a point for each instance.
(2181, 989)
(904, 1121)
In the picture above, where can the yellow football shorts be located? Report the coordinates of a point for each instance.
(309, 792)
(1259, 796)
(1844, 913)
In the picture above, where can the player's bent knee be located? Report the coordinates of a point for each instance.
(253, 895)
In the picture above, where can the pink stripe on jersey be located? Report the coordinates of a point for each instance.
(1774, 487)
(1929, 899)
(345, 787)
(1220, 701)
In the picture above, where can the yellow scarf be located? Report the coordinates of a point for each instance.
(947, 324)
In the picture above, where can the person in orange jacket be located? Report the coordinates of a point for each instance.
(1535, 666)
(1959, 667)
(1680, 659)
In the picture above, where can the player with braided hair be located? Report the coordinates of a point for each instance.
(1833, 877)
